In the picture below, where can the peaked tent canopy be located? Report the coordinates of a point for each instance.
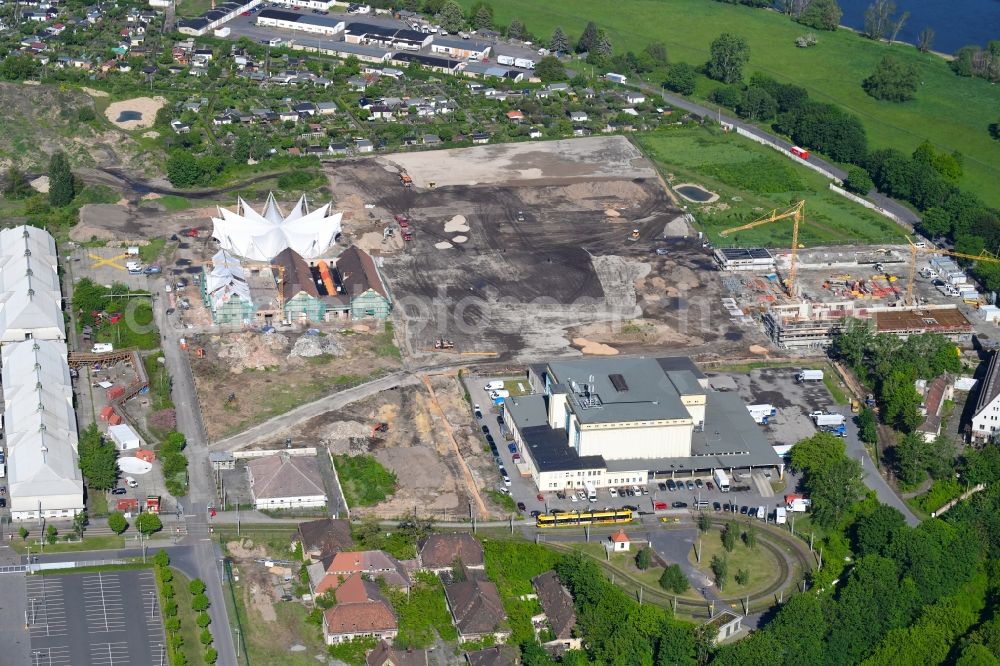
(262, 236)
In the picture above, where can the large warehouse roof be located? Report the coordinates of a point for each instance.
(262, 236)
(30, 298)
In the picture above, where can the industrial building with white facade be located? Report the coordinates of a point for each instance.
(40, 430)
(609, 422)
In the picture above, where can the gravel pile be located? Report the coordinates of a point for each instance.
(309, 346)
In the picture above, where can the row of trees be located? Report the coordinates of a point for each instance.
(172, 621)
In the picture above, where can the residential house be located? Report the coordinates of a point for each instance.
(480, 138)
(225, 292)
(578, 116)
(934, 395)
(372, 564)
(515, 116)
(986, 417)
(476, 609)
(179, 128)
(281, 481)
(326, 108)
(559, 87)
(288, 115)
(634, 97)
(302, 298)
(366, 291)
(360, 612)
(386, 655)
(381, 112)
(497, 655)
(364, 146)
(305, 109)
(338, 148)
(322, 538)
(535, 133)
(438, 552)
(725, 624)
(430, 139)
(558, 613)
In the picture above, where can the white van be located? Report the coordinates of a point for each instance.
(762, 512)
(130, 482)
(494, 386)
(134, 268)
(102, 348)
(501, 393)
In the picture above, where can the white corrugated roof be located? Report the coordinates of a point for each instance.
(30, 297)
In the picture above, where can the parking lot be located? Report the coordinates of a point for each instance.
(683, 492)
(102, 619)
(106, 266)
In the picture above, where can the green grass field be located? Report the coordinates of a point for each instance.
(364, 480)
(951, 112)
(749, 179)
(759, 561)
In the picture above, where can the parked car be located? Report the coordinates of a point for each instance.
(506, 481)
(699, 483)
(613, 492)
(679, 505)
(690, 486)
(630, 507)
(536, 513)
(485, 430)
(743, 510)
(716, 506)
(659, 506)
(3, 502)
(512, 447)
(661, 486)
(521, 507)
(516, 457)
(540, 497)
(671, 485)
(118, 491)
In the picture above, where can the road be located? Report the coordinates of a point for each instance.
(201, 492)
(875, 196)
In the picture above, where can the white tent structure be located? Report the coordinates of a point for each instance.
(44, 472)
(30, 295)
(262, 236)
(226, 280)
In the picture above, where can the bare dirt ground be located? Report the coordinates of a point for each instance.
(547, 253)
(267, 376)
(416, 447)
(145, 106)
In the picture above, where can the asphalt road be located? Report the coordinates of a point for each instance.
(201, 491)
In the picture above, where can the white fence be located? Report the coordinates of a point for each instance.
(787, 153)
(868, 204)
(302, 451)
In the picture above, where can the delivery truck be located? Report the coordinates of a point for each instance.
(505, 60)
(827, 419)
(721, 480)
(524, 63)
(809, 376)
(797, 503)
(761, 413)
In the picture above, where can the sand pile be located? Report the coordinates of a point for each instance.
(455, 225)
(459, 239)
(611, 212)
(443, 245)
(253, 350)
(146, 107)
(757, 349)
(595, 348)
(309, 346)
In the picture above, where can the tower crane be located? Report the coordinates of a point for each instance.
(795, 212)
(985, 255)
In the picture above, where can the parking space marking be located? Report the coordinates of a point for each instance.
(109, 654)
(46, 609)
(103, 603)
(51, 656)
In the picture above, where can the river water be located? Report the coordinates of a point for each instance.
(956, 23)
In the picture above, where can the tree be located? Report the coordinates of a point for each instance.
(892, 80)
(909, 456)
(681, 78)
(482, 18)
(720, 568)
(897, 26)
(878, 18)
(657, 52)
(834, 490)
(199, 603)
(451, 17)
(148, 523)
(559, 42)
(23, 533)
(516, 28)
(60, 181)
(161, 559)
(206, 637)
(867, 426)
(80, 522)
(704, 522)
(730, 535)
(742, 577)
(183, 169)
(643, 558)
(757, 104)
(674, 580)
(821, 15)
(602, 48)
(588, 40)
(18, 68)
(51, 534)
(550, 68)
(211, 656)
(818, 453)
(729, 53)
(750, 536)
(873, 534)
(858, 180)
(16, 184)
(196, 586)
(117, 522)
(925, 40)
(98, 459)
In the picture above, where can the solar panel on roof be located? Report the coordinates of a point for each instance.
(618, 381)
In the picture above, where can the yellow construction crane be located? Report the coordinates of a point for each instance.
(795, 212)
(986, 256)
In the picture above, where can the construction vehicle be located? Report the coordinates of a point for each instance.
(442, 343)
(795, 212)
(405, 180)
(922, 248)
(379, 428)
(634, 236)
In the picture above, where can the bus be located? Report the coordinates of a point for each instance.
(582, 518)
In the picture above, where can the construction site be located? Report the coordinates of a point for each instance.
(800, 297)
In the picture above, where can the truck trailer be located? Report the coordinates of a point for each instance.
(721, 480)
(827, 419)
(524, 63)
(761, 413)
(809, 376)
(505, 60)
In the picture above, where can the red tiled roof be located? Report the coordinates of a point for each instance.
(620, 537)
(368, 616)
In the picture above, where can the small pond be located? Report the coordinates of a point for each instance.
(126, 116)
(695, 193)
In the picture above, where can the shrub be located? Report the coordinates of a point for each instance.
(674, 580)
